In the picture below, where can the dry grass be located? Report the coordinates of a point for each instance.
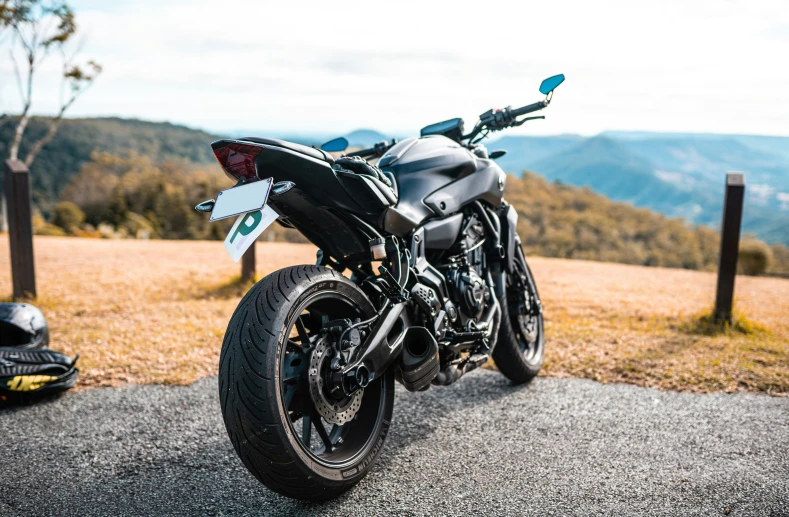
(646, 326)
(141, 311)
(155, 311)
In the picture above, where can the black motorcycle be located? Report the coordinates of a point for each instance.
(420, 278)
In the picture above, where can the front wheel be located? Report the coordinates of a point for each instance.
(294, 436)
(520, 346)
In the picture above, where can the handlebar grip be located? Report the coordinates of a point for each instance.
(379, 149)
(537, 106)
(362, 152)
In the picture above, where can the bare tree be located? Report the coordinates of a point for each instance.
(5, 19)
(77, 80)
(38, 27)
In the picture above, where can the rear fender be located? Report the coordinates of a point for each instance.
(320, 225)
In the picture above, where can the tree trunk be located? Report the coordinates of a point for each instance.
(53, 127)
(13, 153)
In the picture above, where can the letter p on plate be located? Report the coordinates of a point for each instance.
(246, 229)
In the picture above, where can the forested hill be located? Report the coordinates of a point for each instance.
(129, 196)
(146, 170)
(560, 220)
(62, 158)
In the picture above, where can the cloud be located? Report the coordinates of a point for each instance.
(778, 32)
(671, 66)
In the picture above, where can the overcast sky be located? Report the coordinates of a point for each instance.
(333, 66)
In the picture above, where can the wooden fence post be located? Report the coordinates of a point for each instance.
(20, 228)
(248, 264)
(730, 245)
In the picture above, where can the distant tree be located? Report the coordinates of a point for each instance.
(138, 197)
(37, 28)
(5, 15)
(5, 19)
(755, 257)
(780, 259)
(67, 215)
(558, 220)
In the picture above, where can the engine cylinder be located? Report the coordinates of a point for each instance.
(470, 290)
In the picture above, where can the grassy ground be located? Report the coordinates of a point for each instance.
(155, 311)
(649, 326)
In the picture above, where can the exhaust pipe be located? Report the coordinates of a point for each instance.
(419, 362)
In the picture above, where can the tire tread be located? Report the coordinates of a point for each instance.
(246, 362)
(507, 355)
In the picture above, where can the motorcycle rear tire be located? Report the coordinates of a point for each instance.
(261, 424)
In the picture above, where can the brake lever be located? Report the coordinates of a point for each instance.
(518, 123)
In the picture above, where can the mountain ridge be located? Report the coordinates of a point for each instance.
(677, 174)
(77, 138)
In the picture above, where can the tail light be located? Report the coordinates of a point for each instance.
(237, 158)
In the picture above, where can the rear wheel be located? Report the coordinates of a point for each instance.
(521, 339)
(289, 431)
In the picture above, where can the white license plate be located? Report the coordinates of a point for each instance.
(248, 201)
(246, 229)
(241, 199)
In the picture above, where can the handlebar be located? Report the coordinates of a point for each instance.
(496, 120)
(537, 106)
(491, 120)
(378, 150)
(362, 152)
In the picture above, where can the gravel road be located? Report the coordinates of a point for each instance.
(480, 447)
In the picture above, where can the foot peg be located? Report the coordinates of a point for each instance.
(419, 362)
(454, 372)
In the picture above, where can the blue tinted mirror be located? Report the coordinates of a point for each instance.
(551, 83)
(443, 128)
(335, 146)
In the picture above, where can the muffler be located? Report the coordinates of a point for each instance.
(419, 361)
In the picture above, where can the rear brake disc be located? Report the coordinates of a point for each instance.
(333, 411)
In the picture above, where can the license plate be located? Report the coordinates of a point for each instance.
(248, 201)
(241, 199)
(246, 229)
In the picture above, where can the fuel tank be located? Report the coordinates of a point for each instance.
(436, 176)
